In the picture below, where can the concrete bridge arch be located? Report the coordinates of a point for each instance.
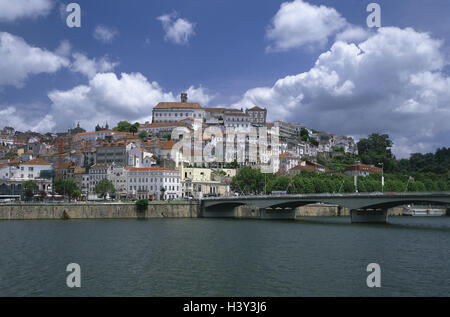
(371, 205)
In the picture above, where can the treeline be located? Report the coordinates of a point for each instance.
(252, 181)
(376, 150)
(439, 162)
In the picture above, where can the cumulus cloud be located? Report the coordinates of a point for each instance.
(90, 67)
(393, 82)
(19, 60)
(177, 30)
(104, 34)
(25, 118)
(199, 95)
(18, 9)
(299, 23)
(353, 34)
(108, 97)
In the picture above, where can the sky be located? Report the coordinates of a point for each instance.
(315, 62)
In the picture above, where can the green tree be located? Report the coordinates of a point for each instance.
(104, 187)
(142, 204)
(123, 126)
(134, 128)
(248, 181)
(143, 135)
(67, 188)
(30, 188)
(304, 134)
(11, 154)
(167, 136)
(377, 149)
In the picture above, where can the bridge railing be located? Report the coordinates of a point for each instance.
(332, 195)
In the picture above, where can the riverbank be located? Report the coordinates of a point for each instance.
(154, 210)
(96, 211)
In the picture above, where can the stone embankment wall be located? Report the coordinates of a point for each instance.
(309, 211)
(96, 211)
(163, 210)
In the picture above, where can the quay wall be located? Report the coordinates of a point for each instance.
(96, 211)
(161, 210)
(309, 211)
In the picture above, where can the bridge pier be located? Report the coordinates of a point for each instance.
(282, 213)
(369, 215)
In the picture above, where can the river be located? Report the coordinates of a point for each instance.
(219, 257)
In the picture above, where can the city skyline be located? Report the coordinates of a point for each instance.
(312, 62)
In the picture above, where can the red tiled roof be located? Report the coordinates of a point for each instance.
(255, 108)
(166, 145)
(186, 105)
(362, 167)
(162, 125)
(37, 161)
(287, 155)
(149, 169)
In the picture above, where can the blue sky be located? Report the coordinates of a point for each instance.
(231, 53)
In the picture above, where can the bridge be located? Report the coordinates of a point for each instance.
(365, 207)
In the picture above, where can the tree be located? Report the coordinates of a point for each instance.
(248, 181)
(162, 190)
(377, 149)
(123, 126)
(104, 187)
(30, 187)
(143, 135)
(142, 204)
(11, 154)
(281, 183)
(134, 128)
(67, 187)
(304, 134)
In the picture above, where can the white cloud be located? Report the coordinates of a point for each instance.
(90, 67)
(353, 34)
(299, 23)
(64, 48)
(104, 34)
(19, 117)
(178, 31)
(111, 98)
(392, 83)
(199, 95)
(19, 60)
(11, 10)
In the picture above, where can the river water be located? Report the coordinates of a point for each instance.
(219, 257)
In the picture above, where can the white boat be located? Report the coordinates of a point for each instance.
(423, 211)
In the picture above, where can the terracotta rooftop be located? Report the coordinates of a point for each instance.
(287, 155)
(179, 105)
(162, 125)
(363, 167)
(166, 145)
(37, 161)
(256, 108)
(149, 169)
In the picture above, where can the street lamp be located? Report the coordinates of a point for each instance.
(382, 176)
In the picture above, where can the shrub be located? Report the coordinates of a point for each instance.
(142, 204)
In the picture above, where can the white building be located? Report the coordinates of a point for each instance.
(25, 171)
(139, 157)
(97, 173)
(153, 183)
(166, 112)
